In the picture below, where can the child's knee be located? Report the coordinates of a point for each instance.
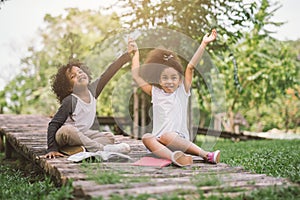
(65, 134)
(147, 136)
(167, 136)
(67, 129)
(62, 132)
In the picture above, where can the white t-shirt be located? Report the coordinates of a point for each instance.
(170, 111)
(84, 114)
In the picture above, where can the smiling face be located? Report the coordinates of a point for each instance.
(169, 80)
(77, 77)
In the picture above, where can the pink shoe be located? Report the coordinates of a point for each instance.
(214, 157)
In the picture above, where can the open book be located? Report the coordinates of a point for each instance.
(99, 155)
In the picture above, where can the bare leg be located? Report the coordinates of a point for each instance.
(156, 147)
(178, 158)
(173, 141)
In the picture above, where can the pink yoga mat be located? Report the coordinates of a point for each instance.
(152, 162)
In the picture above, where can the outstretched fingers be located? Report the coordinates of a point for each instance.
(210, 37)
(132, 46)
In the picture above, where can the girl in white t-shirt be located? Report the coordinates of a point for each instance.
(170, 93)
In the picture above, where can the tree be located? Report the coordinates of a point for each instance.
(76, 34)
(267, 68)
(234, 20)
(196, 18)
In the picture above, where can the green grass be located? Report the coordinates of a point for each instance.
(104, 175)
(200, 180)
(277, 158)
(19, 180)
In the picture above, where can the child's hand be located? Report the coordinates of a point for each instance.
(52, 154)
(209, 38)
(132, 46)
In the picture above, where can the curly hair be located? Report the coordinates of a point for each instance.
(156, 62)
(60, 82)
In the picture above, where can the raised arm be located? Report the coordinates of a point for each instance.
(145, 86)
(196, 58)
(111, 70)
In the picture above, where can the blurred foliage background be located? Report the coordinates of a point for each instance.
(260, 74)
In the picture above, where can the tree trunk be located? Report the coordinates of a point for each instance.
(135, 113)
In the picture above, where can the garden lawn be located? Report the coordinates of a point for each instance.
(277, 158)
(19, 181)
